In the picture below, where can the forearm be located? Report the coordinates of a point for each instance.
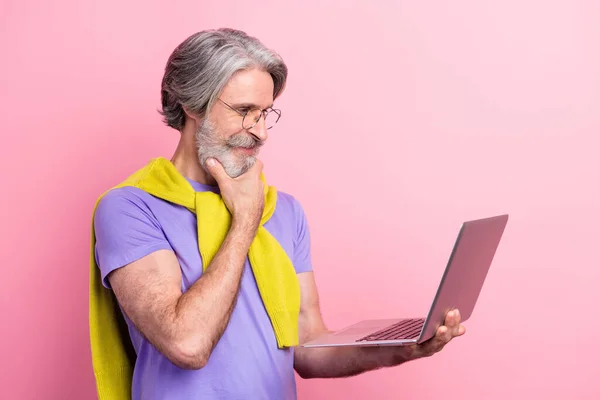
(335, 362)
(203, 312)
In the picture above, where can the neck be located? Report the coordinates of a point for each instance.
(185, 159)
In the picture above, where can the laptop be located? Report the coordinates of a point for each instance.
(461, 283)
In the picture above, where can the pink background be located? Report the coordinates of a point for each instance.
(401, 120)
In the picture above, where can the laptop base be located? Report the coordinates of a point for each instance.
(364, 333)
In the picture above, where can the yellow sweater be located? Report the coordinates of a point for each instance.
(113, 357)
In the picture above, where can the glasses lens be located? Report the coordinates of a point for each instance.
(251, 119)
(272, 118)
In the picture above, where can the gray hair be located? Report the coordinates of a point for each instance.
(200, 67)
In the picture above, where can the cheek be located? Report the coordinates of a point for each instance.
(231, 131)
(228, 127)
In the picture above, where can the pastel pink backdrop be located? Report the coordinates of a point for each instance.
(401, 119)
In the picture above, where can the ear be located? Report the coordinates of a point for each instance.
(190, 115)
(192, 121)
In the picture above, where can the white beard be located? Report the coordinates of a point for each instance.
(210, 145)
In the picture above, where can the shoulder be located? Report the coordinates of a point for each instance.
(124, 212)
(290, 204)
(123, 202)
(297, 221)
(121, 196)
(125, 229)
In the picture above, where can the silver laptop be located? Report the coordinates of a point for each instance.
(459, 288)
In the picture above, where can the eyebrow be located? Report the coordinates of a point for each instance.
(249, 105)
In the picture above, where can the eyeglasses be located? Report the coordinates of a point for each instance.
(251, 117)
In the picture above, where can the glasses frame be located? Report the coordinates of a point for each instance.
(263, 114)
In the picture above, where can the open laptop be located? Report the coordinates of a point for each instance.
(459, 288)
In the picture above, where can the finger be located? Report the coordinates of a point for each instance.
(453, 321)
(457, 325)
(258, 166)
(216, 170)
(457, 317)
(450, 320)
(444, 334)
(436, 343)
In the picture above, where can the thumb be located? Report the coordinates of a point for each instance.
(216, 170)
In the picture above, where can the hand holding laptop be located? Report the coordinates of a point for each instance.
(389, 356)
(444, 334)
(459, 288)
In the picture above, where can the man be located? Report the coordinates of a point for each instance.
(203, 325)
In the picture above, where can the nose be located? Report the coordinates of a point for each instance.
(260, 130)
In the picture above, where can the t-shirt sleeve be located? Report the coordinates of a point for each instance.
(302, 250)
(126, 230)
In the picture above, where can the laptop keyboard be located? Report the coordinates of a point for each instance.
(405, 329)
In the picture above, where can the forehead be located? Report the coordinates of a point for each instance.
(249, 87)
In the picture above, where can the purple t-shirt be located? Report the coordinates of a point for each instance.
(246, 363)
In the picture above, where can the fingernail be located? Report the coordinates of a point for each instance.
(210, 162)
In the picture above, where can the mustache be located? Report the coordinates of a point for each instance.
(243, 140)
